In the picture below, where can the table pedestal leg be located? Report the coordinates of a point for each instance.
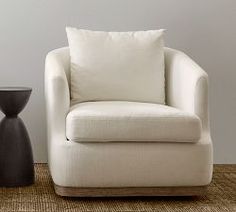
(16, 159)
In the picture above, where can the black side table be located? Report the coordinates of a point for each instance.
(16, 159)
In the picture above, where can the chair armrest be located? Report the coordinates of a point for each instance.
(57, 94)
(187, 85)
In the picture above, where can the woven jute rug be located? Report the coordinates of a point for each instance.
(41, 197)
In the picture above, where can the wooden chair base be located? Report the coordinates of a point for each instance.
(130, 191)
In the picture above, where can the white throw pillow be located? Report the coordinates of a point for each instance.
(124, 66)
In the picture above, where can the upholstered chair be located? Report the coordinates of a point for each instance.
(156, 149)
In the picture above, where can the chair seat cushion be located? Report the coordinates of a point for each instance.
(107, 121)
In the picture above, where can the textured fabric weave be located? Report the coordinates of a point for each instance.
(130, 121)
(221, 197)
(123, 66)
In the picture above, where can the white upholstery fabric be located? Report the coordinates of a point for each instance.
(123, 66)
(129, 164)
(130, 121)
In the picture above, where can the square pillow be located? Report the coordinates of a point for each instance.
(122, 66)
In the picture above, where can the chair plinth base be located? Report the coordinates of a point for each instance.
(130, 191)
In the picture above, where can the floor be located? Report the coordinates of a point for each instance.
(41, 197)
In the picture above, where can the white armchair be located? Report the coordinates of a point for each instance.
(162, 165)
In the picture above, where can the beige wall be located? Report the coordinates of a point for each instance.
(204, 29)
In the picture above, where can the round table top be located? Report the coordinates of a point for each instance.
(13, 99)
(6, 89)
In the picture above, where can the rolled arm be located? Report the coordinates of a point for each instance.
(186, 85)
(57, 94)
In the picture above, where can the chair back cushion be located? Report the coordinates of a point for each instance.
(124, 66)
